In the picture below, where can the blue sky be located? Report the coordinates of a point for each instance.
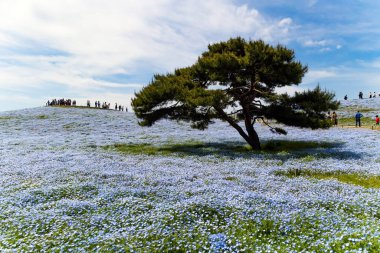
(108, 49)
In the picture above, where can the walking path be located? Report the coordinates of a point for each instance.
(373, 127)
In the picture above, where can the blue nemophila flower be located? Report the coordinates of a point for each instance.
(218, 242)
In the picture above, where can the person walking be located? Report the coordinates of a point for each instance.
(358, 116)
(329, 116)
(377, 120)
(335, 118)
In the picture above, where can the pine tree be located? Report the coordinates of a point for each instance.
(236, 81)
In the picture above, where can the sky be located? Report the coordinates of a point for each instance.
(109, 49)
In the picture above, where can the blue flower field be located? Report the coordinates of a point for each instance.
(81, 180)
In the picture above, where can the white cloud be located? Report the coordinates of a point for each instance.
(312, 2)
(15, 102)
(324, 45)
(314, 76)
(372, 64)
(315, 43)
(291, 90)
(90, 38)
(325, 49)
(285, 22)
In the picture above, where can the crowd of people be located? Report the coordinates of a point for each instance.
(333, 118)
(120, 108)
(98, 104)
(370, 95)
(61, 102)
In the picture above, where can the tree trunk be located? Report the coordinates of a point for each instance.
(252, 134)
(251, 138)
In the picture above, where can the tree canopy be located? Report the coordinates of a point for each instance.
(235, 81)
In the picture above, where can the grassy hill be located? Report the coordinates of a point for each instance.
(94, 181)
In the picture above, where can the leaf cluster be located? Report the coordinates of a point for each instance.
(304, 109)
(176, 96)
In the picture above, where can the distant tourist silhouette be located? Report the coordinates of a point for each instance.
(358, 116)
(335, 118)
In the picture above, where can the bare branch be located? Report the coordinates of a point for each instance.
(235, 112)
(272, 129)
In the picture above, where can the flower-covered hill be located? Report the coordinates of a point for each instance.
(369, 106)
(94, 181)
